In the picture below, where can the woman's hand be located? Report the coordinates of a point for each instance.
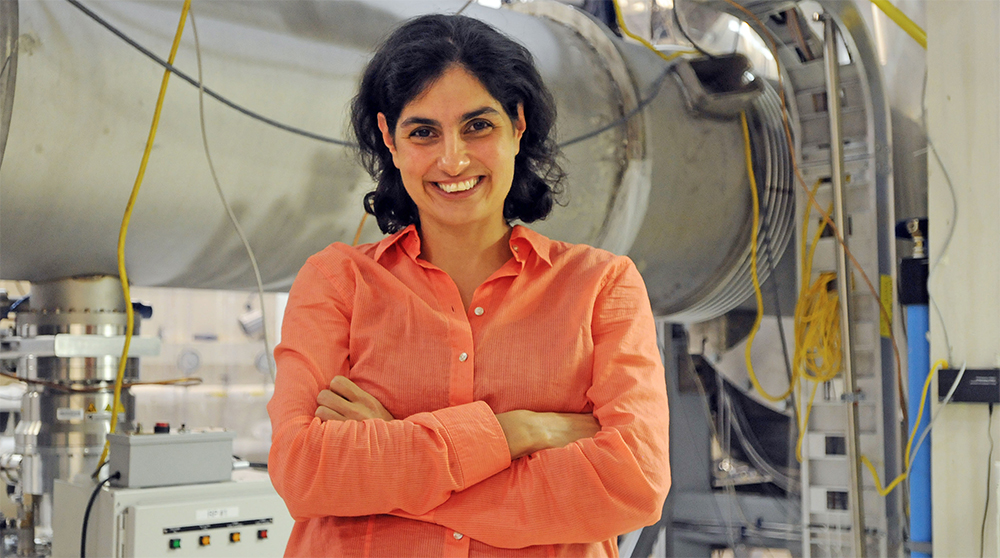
(346, 401)
(528, 431)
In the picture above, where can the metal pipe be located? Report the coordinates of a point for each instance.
(919, 479)
(915, 298)
(668, 187)
(832, 67)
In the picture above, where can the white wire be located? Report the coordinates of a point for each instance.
(954, 218)
(927, 429)
(229, 210)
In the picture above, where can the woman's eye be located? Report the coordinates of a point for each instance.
(420, 133)
(480, 125)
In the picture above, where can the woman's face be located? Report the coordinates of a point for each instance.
(454, 146)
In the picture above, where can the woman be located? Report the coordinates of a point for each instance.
(465, 387)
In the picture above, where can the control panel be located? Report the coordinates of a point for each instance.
(243, 517)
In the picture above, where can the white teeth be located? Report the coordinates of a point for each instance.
(458, 186)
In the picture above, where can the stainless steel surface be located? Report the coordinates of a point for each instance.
(78, 324)
(833, 92)
(669, 189)
(8, 67)
(65, 345)
(773, 170)
(630, 188)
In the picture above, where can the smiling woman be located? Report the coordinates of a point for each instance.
(465, 387)
(457, 166)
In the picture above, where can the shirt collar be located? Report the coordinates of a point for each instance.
(408, 240)
(523, 243)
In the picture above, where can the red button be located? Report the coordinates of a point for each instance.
(262, 534)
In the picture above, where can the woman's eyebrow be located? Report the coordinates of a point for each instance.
(479, 112)
(421, 121)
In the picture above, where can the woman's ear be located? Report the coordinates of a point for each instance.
(383, 126)
(519, 127)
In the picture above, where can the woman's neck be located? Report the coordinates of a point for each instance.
(469, 255)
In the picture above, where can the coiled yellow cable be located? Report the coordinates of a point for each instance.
(123, 233)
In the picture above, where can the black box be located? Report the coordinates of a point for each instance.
(979, 385)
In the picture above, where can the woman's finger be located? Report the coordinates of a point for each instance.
(326, 413)
(327, 398)
(344, 387)
(368, 408)
(347, 409)
(350, 391)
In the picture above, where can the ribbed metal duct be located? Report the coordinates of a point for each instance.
(669, 189)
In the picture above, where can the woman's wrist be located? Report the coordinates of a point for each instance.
(520, 431)
(527, 431)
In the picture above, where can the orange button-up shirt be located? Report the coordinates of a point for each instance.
(559, 327)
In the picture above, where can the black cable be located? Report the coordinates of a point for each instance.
(17, 303)
(86, 514)
(654, 91)
(311, 135)
(765, 243)
(989, 469)
(765, 228)
(208, 91)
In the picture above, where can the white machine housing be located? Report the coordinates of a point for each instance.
(127, 522)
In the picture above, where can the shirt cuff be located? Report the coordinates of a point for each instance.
(476, 439)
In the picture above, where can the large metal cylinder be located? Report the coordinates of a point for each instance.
(669, 188)
(61, 432)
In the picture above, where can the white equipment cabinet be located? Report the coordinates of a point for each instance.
(244, 517)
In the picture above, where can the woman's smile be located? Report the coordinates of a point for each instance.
(459, 186)
(454, 146)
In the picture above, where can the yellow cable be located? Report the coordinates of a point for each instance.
(123, 232)
(817, 355)
(909, 442)
(644, 42)
(772, 46)
(805, 424)
(361, 226)
(883, 311)
(905, 23)
(753, 271)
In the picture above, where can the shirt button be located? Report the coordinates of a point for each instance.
(458, 536)
(463, 357)
(479, 311)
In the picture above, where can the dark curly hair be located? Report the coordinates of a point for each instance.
(413, 57)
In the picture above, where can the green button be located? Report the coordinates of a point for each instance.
(175, 543)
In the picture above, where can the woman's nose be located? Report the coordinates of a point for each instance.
(455, 157)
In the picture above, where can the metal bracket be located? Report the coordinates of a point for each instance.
(853, 397)
(65, 345)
